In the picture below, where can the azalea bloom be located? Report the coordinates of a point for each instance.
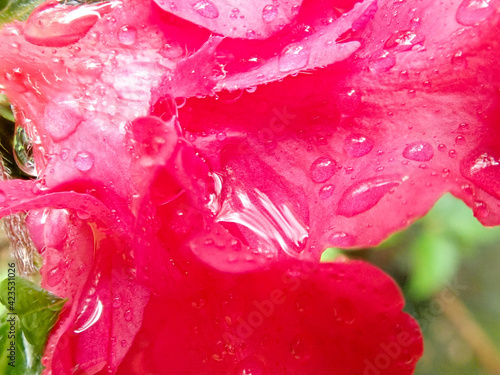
(193, 159)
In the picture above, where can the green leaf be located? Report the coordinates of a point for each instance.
(11, 10)
(435, 262)
(25, 324)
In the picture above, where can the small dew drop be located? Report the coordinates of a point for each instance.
(293, 57)
(250, 34)
(269, 13)
(341, 239)
(128, 315)
(322, 169)
(403, 40)
(459, 61)
(357, 145)
(127, 35)
(55, 276)
(84, 161)
(250, 366)
(419, 151)
(460, 140)
(206, 9)
(326, 191)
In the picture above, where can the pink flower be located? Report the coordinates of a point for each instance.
(184, 173)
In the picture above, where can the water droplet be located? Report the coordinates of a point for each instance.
(250, 34)
(88, 71)
(460, 140)
(459, 61)
(481, 210)
(382, 61)
(117, 302)
(62, 117)
(365, 194)
(482, 167)
(84, 161)
(250, 366)
(326, 191)
(442, 147)
(123, 343)
(206, 9)
(295, 9)
(357, 145)
(471, 12)
(172, 51)
(322, 169)
(83, 215)
(269, 13)
(63, 155)
(128, 315)
(55, 276)
(221, 136)
(345, 311)
(54, 24)
(23, 152)
(348, 100)
(452, 153)
(403, 40)
(293, 57)
(301, 348)
(341, 239)
(127, 35)
(463, 127)
(419, 151)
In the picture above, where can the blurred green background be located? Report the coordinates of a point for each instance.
(447, 265)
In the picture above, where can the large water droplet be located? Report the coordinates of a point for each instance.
(403, 40)
(206, 9)
(62, 117)
(419, 151)
(322, 169)
(357, 145)
(482, 167)
(269, 13)
(127, 35)
(294, 57)
(365, 194)
(471, 12)
(84, 161)
(55, 24)
(23, 152)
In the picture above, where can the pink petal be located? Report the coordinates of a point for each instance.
(257, 19)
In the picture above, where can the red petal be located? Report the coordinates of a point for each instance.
(295, 317)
